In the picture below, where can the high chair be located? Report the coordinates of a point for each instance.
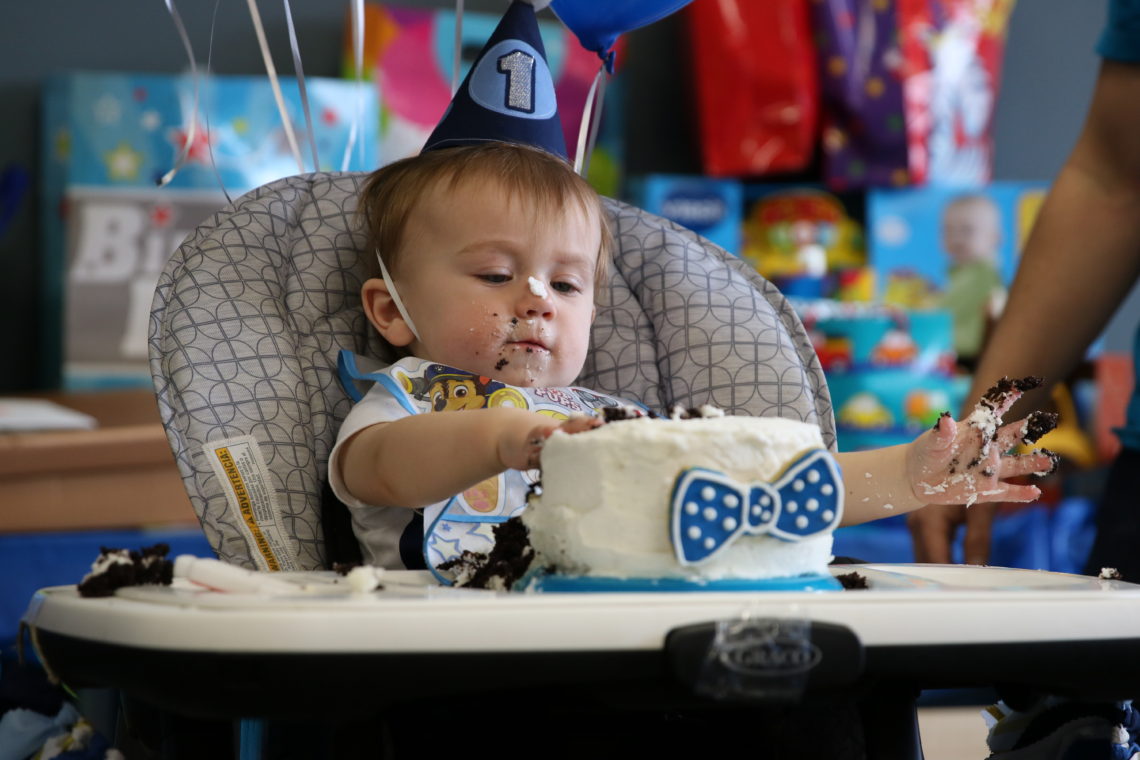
(251, 311)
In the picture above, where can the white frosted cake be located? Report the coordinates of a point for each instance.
(703, 499)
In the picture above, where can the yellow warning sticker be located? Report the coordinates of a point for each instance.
(239, 465)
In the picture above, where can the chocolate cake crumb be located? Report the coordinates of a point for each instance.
(939, 420)
(501, 363)
(118, 568)
(344, 568)
(852, 581)
(506, 563)
(1110, 574)
(1006, 385)
(620, 413)
(1054, 457)
(1038, 424)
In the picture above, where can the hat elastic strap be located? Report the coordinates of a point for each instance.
(396, 297)
(588, 127)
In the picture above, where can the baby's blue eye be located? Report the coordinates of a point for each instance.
(564, 287)
(494, 278)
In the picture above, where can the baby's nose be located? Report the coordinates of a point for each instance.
(535, 299)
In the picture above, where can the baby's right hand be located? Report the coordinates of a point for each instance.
(522, 453)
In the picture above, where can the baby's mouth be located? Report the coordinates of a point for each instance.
(529, 345)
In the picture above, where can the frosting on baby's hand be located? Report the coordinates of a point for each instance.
(966, 462)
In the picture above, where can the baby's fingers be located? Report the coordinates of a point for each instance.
(944, 432)
(1006, 392)
(1013, 492)
(1037, 463)
(1028, 430)
(580, 423)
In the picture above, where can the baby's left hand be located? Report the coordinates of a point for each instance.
(966, 462)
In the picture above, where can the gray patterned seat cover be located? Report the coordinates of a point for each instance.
(252, 309)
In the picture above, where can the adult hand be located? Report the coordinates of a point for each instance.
(933, 528)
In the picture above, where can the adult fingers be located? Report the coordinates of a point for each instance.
(932, 531)
(976, 542)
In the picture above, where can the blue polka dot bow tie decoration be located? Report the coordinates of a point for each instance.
(711, 510)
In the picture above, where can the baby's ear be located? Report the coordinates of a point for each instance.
(382, 312)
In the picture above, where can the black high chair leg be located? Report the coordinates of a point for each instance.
(890, 723)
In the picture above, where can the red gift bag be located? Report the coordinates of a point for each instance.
(756, 83)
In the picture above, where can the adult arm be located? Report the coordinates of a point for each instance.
(1080, 261)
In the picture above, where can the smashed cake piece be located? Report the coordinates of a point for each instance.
(852, 581)
(502, 567)
(118, 568)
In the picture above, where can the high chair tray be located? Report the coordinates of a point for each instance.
(934, 626)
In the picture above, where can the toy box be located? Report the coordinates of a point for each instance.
(889, 370)
(951, 248)
(807, 241)
(108, 228)
(710, 207)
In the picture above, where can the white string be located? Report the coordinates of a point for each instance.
(396, 296)
(358, 59)
(182, 154)
(455, 63)
(604, 78)
(301, 85)
(206, 111)
(585, 126)
(271, 70)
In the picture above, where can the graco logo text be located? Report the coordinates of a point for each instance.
(770, 656)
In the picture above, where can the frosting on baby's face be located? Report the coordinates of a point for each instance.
(497, 288)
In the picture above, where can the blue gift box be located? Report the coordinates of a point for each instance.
(713, 208)
(108, 228)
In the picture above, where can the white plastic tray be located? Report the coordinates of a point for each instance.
(905, 605)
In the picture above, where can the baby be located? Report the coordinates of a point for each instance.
(971, 235)
(490, 256)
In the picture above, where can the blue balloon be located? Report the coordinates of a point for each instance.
(597, 24)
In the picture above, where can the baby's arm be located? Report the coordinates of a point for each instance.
(419, 460)
(954, 463)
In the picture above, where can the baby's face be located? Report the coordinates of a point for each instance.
(494, 286)
(971, 231)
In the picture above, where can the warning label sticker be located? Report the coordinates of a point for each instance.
(239, 465)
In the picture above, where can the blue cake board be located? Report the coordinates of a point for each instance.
(553, 582)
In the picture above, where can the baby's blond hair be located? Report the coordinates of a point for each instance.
(393, 191)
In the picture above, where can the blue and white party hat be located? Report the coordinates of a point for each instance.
(508, 95)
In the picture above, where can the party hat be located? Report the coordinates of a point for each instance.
(508, 95)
